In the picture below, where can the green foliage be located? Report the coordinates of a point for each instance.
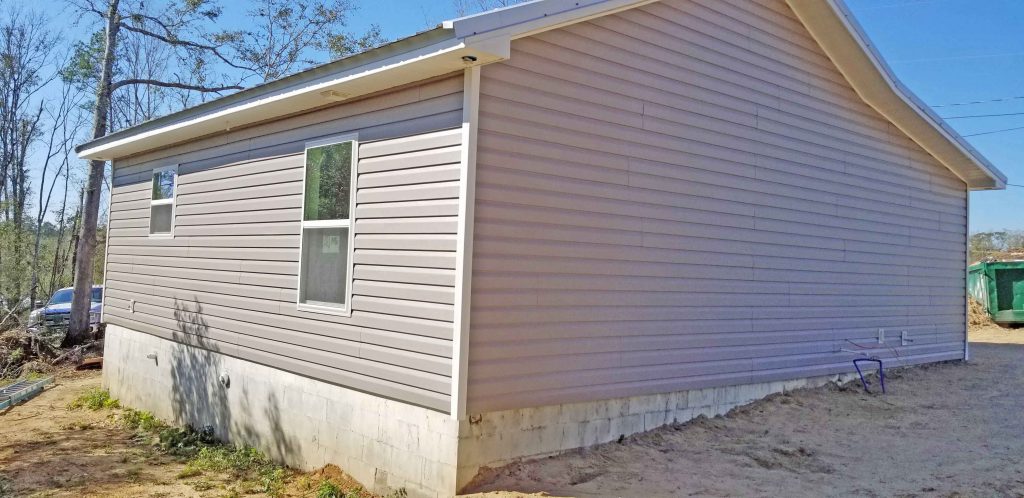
(251, 467)
(140, 421)
(184, 441)
(94, 399)
(6, 487)
(995, 243)
(327, 489)
(83, 70)
(345, 44)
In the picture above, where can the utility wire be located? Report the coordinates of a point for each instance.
(993, 131)
(984, 115)
(1001, 99)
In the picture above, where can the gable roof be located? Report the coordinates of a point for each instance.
(486, 38)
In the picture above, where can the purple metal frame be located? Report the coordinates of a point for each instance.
(863, 381)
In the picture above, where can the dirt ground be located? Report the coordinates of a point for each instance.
(47, 450)
(942, 430)
(949, 430)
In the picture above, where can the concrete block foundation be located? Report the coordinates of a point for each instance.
(387, 445)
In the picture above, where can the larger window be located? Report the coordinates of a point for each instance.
(161, 204)
(325, 261)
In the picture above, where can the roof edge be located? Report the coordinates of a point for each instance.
(393, 54)
(839, 34)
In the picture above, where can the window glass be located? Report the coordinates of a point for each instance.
(324, 262)
(97, 295)
(328, 178)
(324, 266)
(62, 296)
(163, 185)
(160, 218)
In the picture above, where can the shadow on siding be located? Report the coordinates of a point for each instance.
(201, 401)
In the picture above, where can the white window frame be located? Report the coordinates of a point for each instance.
(345, 310)
(159, 202)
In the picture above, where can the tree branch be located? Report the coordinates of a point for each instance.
(169, 84)
(184, 43)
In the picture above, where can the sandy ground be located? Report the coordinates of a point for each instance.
(942, 430)
(47, 450)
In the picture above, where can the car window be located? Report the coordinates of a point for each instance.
(97, 295)
(62, 296)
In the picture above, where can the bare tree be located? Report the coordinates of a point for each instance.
(27, 50)
(96, 65)
(65, 122)
(467, 7)
(286, 34)
(283, 36)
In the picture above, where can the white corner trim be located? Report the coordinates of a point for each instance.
(967, 269)
(106, 245)
(464, 248)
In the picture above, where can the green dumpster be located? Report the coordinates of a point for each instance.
(999, 287)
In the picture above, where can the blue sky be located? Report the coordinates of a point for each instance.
(953, 51)
(946, 51)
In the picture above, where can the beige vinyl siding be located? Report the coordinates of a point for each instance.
(227, 280)
(688, 194)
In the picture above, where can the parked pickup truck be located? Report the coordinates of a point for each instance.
(56, 314)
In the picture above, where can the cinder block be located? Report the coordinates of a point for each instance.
(653, 420)
(630, 424)
(700, 398)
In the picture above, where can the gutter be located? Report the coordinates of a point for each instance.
(426, 55)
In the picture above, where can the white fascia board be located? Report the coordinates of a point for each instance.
(534, 17)
(837, 31)
(440, 58)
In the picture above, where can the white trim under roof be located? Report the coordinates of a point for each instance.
(485, 38)
(843, 40)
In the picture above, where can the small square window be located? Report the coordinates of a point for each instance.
(161, 204)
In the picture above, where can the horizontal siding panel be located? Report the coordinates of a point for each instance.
(689, 194)
(227, 280)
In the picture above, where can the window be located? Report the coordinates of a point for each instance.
(161, 204)
(325, 262)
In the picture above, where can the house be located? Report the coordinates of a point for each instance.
(531, 230)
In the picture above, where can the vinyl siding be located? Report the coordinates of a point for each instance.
(689, 194)
(227, 280)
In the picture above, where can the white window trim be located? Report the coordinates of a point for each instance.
(346, 310)
(160, 202)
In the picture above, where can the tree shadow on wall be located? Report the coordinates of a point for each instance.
(201, 400)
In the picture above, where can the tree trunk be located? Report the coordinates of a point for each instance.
(78, 328)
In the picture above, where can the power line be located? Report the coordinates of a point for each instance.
(1000, 99)
(994, 131)
(984, 115)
